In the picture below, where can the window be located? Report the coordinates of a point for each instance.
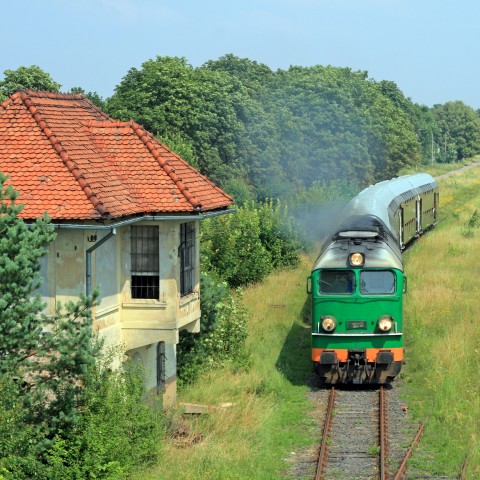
(187, 258)
(160, 367)
(336, 281)
(377, 282)
(145, 262)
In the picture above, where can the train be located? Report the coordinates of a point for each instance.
(357, 282)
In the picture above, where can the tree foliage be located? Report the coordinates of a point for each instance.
(263, 133)
(94, 97)
(459, 125)
(32, 77)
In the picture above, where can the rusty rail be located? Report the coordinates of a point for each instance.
(383, 435)
(403, 465)
(326, 429)
(382, 426)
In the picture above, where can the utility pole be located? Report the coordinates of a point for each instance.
(433, 155)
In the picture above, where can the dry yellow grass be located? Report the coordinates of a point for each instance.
(443, 330)
(268, 419)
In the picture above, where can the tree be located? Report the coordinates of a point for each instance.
(21, 248)
(94, 97)
(198, 106)
(32, 77)
(460, 127)
(48, 357)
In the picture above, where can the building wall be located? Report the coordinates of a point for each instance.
(135, 324)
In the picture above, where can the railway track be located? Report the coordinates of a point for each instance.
(354, 440)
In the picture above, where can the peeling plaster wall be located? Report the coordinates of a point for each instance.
(69, 265)
(135, 324)
(148, 357)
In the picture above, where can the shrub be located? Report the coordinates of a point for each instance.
(224, 331)
(246, 246)
(117, 431)
(279, 234)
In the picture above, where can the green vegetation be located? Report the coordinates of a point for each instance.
(32, 77)
(237, 250)
(63, 413)
(270, 416)
(442, 333)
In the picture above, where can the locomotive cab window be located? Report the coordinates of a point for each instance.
(336, 282)
(376, 282)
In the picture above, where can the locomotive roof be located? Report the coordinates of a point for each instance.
(365, 224)
(366, 234)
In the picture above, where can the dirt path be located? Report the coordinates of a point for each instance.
(460, 170)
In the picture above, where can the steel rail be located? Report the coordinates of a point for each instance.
(403, 465)
(322, 455)
(383, 435)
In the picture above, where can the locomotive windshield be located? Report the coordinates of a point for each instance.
(377, 282)
(336, 281)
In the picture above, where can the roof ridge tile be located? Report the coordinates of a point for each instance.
(63, 154)
(168, 169)
(196, 171)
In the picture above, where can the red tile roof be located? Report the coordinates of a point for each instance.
(68, 158)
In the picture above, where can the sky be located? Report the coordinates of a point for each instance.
(429, 48)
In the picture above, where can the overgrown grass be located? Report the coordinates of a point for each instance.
(440, 168)
(269, 418)
(443, 333)
(254, 438)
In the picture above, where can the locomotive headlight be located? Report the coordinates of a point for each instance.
(328, 323)
(385, 324)
(356, 259)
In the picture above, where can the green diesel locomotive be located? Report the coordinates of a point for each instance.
(357, 282)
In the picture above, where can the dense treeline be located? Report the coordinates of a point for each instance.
(261, 133)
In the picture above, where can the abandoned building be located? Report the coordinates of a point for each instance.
(126, 210)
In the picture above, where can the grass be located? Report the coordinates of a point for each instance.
(440, 168)
(255, 438)
(269, 421)
(443, 333)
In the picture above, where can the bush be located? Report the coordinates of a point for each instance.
(245, 247)
(116, 431)
(279, 234)
(223, 335)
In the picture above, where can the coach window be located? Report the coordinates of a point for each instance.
(376, 282)
(336, 282)
(145, 260)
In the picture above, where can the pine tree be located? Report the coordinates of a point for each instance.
(49, 357)
(21, 248)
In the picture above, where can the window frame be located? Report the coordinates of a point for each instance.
(145, 262)
(352, 278)
(378, 293)
(188, 258)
